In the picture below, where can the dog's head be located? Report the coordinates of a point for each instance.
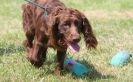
(67, 24)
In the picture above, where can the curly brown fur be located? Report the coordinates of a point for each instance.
(62, 26)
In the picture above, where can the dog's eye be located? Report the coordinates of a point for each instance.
(77, 23)
(66, 24)
(66, 28)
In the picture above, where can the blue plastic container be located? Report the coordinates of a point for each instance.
(120, 59)
(76, 68)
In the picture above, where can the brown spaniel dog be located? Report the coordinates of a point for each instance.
(55, 26)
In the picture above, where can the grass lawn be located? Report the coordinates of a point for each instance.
(112, 22)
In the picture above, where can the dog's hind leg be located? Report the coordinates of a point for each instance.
(28, 25)
(39, 50)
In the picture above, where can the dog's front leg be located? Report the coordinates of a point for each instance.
(61, 54)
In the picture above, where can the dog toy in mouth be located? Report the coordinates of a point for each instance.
(76, 68)
(120, 59)
(74, 47)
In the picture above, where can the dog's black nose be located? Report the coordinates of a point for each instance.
(76, 38)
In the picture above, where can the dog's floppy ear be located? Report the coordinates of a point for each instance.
(53, 21)
(54, 16)
(89, 37)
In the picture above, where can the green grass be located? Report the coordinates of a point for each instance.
(100, 4)
(111, 23)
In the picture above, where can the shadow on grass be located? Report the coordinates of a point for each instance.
(94, 74)
(49, 66)
(10, 49)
